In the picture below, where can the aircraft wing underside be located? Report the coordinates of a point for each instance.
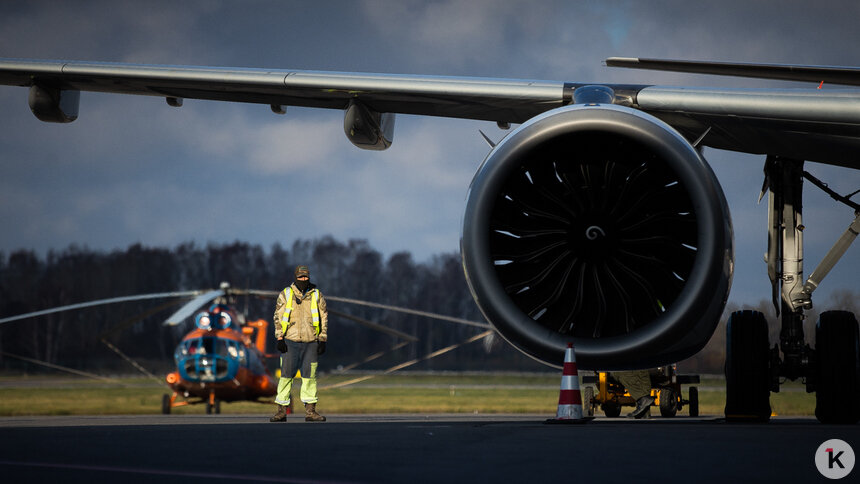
(814, 124)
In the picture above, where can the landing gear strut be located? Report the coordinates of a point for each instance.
(832, 369)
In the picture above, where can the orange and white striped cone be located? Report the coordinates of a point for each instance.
(569, 398)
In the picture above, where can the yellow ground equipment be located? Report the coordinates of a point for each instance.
(610, 395)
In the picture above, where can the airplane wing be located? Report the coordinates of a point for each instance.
(812, 124)
(473, 98)
(597, 221)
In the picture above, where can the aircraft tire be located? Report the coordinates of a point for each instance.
(668, 402)
(694, 402)
(837, 369)
(165, 404)
(747, 367)
(217, 406)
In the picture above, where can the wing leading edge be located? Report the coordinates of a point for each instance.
(817, 124)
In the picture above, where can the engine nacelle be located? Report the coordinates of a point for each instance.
(602, 226)
(368, 129)
(54, 105)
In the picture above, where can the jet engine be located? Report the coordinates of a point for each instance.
(601, 226)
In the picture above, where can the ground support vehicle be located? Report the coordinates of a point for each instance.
(609, 395)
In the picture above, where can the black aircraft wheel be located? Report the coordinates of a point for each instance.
(165, 404)
(837, 370)
(587, 397)
(694, 402)
(747, 368)
(668, 402)
(611, 410)
(217, 406)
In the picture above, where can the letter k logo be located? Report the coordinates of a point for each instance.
(834, 459)
(831, 459)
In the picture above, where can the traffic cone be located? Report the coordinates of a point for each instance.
(569, 398)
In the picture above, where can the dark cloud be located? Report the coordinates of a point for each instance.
(134, 170)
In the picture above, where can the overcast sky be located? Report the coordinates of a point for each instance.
(134, 170)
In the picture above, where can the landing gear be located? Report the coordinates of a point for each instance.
(837, 369)
(832, 369)
(747, 368)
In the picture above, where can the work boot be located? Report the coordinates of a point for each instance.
(281, 416)
(311, 414)
(642, 407)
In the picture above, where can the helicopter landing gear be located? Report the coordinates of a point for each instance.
(213, 405)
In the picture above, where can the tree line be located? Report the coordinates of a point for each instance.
(352, 269)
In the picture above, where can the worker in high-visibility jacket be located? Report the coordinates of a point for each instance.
(301, 328)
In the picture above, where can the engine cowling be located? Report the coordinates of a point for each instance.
(602, 226)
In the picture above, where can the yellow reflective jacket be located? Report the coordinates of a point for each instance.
(299, 321)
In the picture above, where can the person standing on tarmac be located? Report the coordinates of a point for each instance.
(301, 328)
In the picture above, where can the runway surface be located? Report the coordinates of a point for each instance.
(410, 449)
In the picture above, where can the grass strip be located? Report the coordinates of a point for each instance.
(434, 393)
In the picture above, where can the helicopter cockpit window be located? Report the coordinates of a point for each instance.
(209, 358)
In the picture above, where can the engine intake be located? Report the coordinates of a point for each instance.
(603, 226)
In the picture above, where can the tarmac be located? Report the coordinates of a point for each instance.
(468, 448)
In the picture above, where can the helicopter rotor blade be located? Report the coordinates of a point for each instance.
(124, 324)
(99, 302)
(374, 356)
(375, 326)
(191, 306)
(415, 312)
(131, 361)
(409, 363)
(442, 317)
(60, 368)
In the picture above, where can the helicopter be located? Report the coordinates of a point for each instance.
(223, 358)
(219, 361)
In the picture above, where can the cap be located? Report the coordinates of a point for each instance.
(302, 271)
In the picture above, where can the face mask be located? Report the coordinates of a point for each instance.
(302, 285)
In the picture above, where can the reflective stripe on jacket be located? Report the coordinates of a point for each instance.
(301, 316)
